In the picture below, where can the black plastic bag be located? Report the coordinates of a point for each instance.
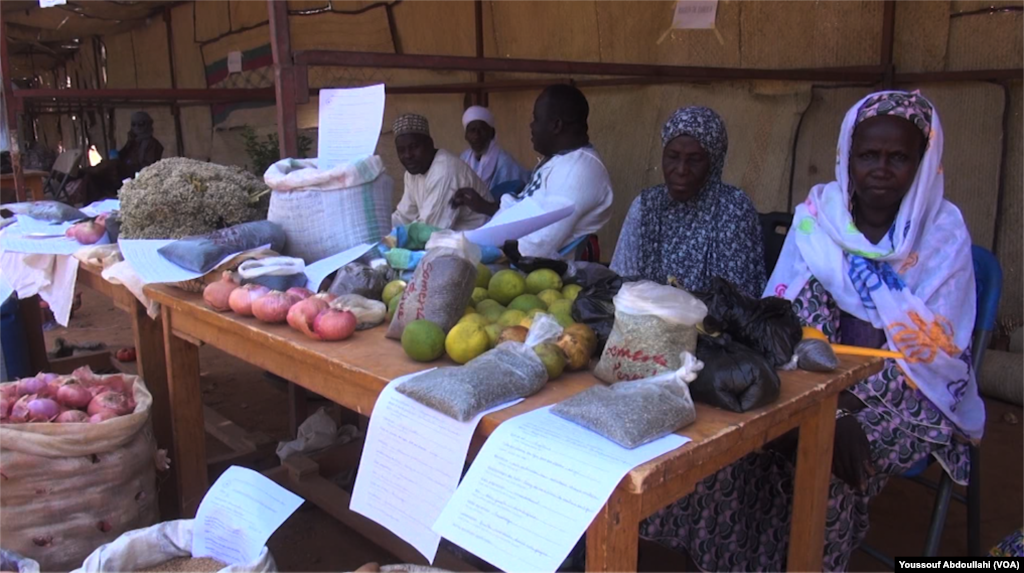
(361, 279)
(594, 308)
(767, 325)
(530, 264)
(203, 253)
(735, 377)
(113, 225)
(585, 274)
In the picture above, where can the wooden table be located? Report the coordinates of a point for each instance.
(353, 373)
(33, 180)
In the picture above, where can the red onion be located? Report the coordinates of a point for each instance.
(74, 395)
(50, 377)
(86, 376)
(302, 314)
(273, 307)
(113, 402)
(42, 410)
(5, 408)
(301, 293)
(334, 324)
(9, 391)
(102, 416)
(241, 298)
(87, 233)
(31, 385)
(72, 417)
(216, 295)
(19, 410)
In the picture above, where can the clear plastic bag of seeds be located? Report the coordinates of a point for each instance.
(654, 325)
(509, 371)
(634, 413)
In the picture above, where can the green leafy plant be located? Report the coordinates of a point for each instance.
(264, 152)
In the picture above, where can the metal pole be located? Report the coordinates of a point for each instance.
(284, 76)
(11, 105)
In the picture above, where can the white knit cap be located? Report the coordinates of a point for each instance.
(475, 113)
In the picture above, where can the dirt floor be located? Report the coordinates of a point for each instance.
(312, 541)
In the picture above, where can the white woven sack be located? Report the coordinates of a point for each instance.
(326, 212)
(69, 488)
(145, 548)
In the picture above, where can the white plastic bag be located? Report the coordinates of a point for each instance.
(324, 212)
(145, 548)
(11, 561)
(271, 266)
(318, 432)
(369, 313)
(634, 413)
(442, 286)
(654, 325)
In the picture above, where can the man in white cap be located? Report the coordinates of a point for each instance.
(432, 177)
(490, 162)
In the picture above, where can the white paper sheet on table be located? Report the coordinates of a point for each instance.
(152, 267)
(411, 464)
(535, 487)
(239, 514)
(318, 271)
(516, 222)
(103, 206)
(350, 123)
(29, 225)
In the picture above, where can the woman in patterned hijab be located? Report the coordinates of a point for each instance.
(693, 227)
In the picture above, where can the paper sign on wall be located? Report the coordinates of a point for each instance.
(695, 14)
(234, 62)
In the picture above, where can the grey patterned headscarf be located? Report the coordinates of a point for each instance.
(704, 125)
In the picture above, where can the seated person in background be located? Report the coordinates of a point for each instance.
(571, 170)
(490, 162)
(693, 227)
(432, 177)
(141, 151)
(876, 258)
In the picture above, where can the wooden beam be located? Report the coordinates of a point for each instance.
(474, 64)
(284, 79)
(11, 108)
(888, 33)
(961, 76)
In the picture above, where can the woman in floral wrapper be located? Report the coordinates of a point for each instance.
(876, 258)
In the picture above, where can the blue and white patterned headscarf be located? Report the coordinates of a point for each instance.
(704, 125)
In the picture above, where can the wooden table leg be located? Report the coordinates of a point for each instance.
(298, 408)
(810, 498)
(185, 400)
(32, 322)
(614, 536)
(152, 367)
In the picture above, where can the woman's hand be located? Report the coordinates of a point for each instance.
(467, 197)
(851, 453)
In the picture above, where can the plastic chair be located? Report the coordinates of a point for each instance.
(586, 248)
(775, 226)
(988, 280)
(64, 168)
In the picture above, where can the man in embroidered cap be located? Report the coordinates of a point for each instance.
(490, 162)
(432, 177)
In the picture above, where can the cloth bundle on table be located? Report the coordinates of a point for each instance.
(917, 286)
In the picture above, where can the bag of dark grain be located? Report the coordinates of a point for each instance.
(654, 325)
(634, 413)
(201, 254)
(509, 371)
(442, 285)
(165, 547)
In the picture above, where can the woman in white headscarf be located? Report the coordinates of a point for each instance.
(490, 162)
(876, 258)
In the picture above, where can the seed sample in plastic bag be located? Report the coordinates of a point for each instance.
(441, 287)
(509, 371)
(654, 325)
(634, 413)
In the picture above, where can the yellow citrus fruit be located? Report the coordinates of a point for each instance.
(393, 305)
(469, 310)
(391, 289)
(570, 292)
(553, 358)
(526, 323)
(466, 341)
(511, 317)
(562, 306)
(486, 304)
(493, 332)
(549, 296)
(474, 318)
(493, 313)
(527, 302)
(541, 280)
(423, 340)
(483, 275)
(506, 285)
(479, 295)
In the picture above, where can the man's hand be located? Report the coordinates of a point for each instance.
(851, 453)
(467, 197)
